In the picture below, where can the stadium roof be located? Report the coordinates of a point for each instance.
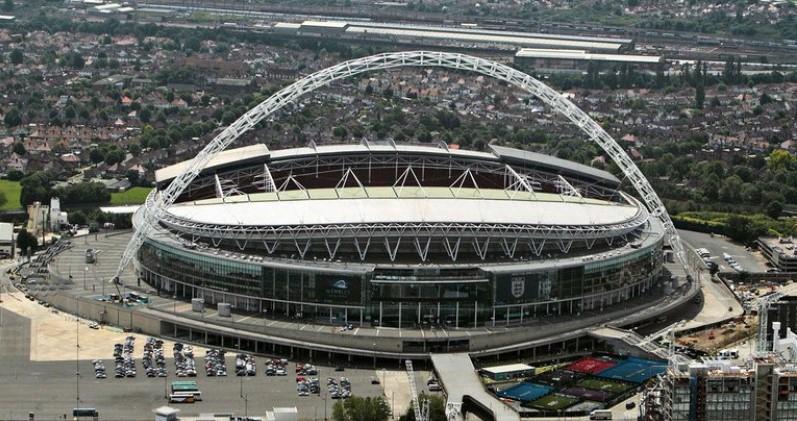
(410, 208)
(586, 56)
(554, 163)
(260, 153)
(375, 147)
(238, 155)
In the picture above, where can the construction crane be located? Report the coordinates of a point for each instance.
(421, 409)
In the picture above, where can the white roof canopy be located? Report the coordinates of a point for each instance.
(405, 210)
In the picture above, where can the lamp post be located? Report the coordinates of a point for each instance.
(77, 353)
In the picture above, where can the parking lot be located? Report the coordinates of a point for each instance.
(750, 261)
(48, 387)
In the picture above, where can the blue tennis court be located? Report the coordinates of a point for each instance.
(525, 392)
(636, 370)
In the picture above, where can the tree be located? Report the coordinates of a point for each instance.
(740, 228)
(74, 60)
(78, 217)
(16, 56)
(35, 188)
(361, 409)
(15, 175)
(145, 115)
(19, 148)
(339, 132)
(774, 209)
(83, 193)
(3, 199)
(69, 112)
(437, 409)
(192, 44)
(12, 118)
(25, 240)
(96, 156)
(135, 149)
(133, 177)
(780, 159)
(700, 95)
(8, 5)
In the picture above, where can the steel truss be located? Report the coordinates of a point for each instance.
(252, 178)
(449, 237)
(384, 61)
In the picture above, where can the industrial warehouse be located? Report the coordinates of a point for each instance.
(468, 38)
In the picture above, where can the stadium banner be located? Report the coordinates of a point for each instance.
(338, 289)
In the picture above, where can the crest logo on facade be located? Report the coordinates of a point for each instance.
(518, 286)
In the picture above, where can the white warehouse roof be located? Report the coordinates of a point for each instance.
(509, 368)
(584, 55)
(485, 38)
(477, 30)
(325, 24)
(6, 232)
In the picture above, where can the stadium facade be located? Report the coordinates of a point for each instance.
(406, 236)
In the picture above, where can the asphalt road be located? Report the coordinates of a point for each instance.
(718, 245)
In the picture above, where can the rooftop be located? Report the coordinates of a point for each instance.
(514, 40)
(554, 163)
(587, 56)
(375, 205)
(509, 368)
(226, 157)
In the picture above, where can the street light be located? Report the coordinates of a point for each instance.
(245, 397)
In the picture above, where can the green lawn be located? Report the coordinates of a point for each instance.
(133, 196)
(11, 189)
(554, 402)
(604, 385)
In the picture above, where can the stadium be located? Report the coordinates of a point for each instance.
(403, 236)
(416, 248)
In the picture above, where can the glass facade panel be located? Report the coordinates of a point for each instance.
(399, 297)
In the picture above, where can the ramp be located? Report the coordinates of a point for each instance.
(459, 379)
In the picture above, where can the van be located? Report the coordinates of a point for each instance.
(600, 414)
(728, 354)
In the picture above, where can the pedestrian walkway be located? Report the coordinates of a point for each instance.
(459, 379)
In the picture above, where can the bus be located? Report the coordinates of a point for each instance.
(182, 397)
(186, 387)
(85, 413)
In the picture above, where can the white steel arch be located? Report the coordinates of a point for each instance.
(384, 61)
